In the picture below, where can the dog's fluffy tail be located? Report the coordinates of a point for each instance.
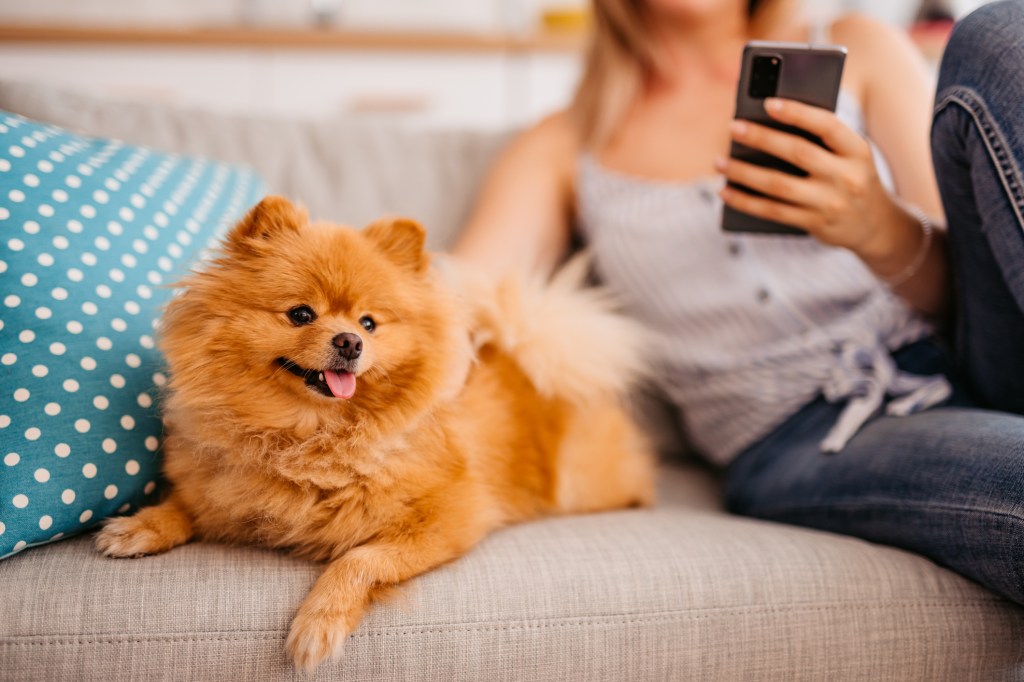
(568, 338)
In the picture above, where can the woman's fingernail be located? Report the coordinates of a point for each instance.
(772, 104)
(738, 128)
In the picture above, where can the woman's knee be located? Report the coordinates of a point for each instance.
(985, 46)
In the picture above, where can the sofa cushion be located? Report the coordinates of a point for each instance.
(679, 592)
(92, 231)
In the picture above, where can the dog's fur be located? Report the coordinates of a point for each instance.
(474, 408)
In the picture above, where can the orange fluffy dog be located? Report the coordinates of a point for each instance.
(333, 394)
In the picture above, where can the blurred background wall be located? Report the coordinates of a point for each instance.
(435, 63)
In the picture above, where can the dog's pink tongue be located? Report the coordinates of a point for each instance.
(342, 384)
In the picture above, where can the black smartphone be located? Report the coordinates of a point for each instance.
(798, 71)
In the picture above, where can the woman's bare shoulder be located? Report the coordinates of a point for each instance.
(874, 48)
(554, 136)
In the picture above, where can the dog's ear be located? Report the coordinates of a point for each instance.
(271, 217)
(402, 240)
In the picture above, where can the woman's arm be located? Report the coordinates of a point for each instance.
(842, 201)
(522, 217)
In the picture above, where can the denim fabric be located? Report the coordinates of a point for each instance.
(947, 483)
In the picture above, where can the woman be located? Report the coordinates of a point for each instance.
(810, 367)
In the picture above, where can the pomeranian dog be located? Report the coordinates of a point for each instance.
(334, 394)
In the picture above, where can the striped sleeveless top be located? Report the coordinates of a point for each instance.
(750, 327)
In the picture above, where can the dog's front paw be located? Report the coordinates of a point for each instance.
(129, 536)
(316, 636)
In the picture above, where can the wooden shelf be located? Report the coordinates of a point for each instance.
(297, 38)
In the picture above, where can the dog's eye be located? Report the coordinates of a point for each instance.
(300, 315)
(368, 323)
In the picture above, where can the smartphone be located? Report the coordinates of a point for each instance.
(798, 71)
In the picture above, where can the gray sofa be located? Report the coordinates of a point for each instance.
(683, 591)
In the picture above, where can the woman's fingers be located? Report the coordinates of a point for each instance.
(777, 184)
(796, 150)
(770, 209)
(836, 135)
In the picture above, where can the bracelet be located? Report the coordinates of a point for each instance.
(922, 254)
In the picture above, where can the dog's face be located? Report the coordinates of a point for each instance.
(298, 319)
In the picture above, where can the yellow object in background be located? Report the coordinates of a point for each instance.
(565, 18)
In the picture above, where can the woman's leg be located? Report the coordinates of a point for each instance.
(947, 483)
(978, 150)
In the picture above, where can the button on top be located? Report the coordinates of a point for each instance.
(763, 295)
(734, 248)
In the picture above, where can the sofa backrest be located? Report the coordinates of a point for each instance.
(343, 170)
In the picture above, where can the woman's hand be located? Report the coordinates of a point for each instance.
(841, 201)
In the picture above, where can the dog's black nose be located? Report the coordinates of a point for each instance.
(349, 345)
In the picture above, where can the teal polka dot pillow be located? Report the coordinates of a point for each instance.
(92, 231)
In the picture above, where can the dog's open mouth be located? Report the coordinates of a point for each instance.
(333, 383)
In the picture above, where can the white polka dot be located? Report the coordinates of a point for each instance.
(82, 425)
(150, 233)
(9, 358)
(43, 313)
(60, 242)
(45, 521)
(118, 324)
(89, 470)
(117, 381)
(75, 275)
(128, 260)
(16, 151)
(4, 213)
(143, 291)
(114, 228)
(59, 294)
(160, 219)
(73, 181)
(127, 423)
(12, 301)
(68, 496)
(12, 458)
(100, 402)
(74, 327)
(60, 196)
(88, 211)
(103, 343)
(21, 395)
(87, 363)
(89, 258)
(84, 170)
(132, 360)
(3, 266)
(100, 197)
(70, 385)
(31, 227)
(62, 450)
(3, 528)
(29, 280)
(45, 259)
(5, 421)
(5, 165)
(159, 378)
(116, 275)
(132, 307)
(20, 501)
(15, 244)
(46, 210)
(110, 492)
(16, 195)
(58, 348)
(44, 166)
(184, 238)
(131, 467)
(20, 545)
(146, 341)
(140, 246)
(150, 487)
(75, 226)
(124, 507)
(52, 409)
(152, 443)
(85, 516)
(164, 263)
(30, 180)
(137, 201)
(144, 400)
(33, 433)
(112, 184)
(154, 277)
(40, 371)
(42, 475)
(126, 214)
(89, 308)
(109, 445)
(103, 291)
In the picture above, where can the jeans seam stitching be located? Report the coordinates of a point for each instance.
(1009, 174)
(900, 504)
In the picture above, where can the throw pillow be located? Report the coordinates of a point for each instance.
(91, 233)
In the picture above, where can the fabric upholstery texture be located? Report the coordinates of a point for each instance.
(678, 592)
(91, 231)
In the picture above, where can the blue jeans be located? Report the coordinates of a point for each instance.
(947, 483)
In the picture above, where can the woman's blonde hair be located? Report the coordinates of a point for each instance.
(620, 55)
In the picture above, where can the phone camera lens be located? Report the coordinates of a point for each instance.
(764, 76)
